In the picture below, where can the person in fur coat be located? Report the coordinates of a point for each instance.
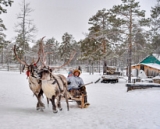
(76, 83)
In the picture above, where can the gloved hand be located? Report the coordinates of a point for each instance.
(68, 82)
(79, 85)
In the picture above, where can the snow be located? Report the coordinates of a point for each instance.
(112, 107)
(156, 77)
(152, 65)
(142, 74)
(147, 84)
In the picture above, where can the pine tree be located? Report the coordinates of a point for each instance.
(155, 27)
(102, 31)
(25, 28)
(3, 43)
(130, 16)
(67, 46)
(53, 53)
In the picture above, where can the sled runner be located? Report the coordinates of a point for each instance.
(79, 95)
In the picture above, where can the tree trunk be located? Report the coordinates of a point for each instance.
(130, 48)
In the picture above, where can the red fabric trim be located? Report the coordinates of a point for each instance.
(27, 73)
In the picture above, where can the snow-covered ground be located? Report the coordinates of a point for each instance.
(111, 107)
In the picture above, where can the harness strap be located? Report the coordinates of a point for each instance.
(57, 83)
(54, 82)
(31, 81)
(33, 76)
(51, 75)
(61, 80)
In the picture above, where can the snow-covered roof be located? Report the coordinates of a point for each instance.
(153, 65)
(135, 64)
(111, 66)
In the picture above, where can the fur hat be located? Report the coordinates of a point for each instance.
(76, 70)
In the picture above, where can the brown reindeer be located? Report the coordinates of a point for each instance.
(34, 84)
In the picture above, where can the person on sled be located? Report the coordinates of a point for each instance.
(70, 73)
(76, 83)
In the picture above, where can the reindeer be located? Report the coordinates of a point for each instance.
(53, 86)
(34, 83)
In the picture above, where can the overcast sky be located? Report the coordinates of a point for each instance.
(55, 17)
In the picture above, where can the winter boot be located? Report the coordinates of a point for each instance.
(86, 104)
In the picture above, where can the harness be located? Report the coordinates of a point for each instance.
(32, 81)
(30, 70)
(56, 81)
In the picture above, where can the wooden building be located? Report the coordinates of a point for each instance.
(150, 65)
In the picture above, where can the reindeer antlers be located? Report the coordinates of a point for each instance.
(43, 55)
(66, 63)
(22, 62)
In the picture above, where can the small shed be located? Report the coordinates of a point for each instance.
(150, 65)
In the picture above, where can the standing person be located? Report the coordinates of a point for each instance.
(76, 83)
(79, 68)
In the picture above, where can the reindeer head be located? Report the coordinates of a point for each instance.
(32, 69)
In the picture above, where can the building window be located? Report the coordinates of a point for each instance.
(142, 67)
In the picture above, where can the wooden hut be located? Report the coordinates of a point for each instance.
(150, 65)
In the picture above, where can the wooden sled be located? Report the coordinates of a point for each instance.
(79, 95)
(79, 98)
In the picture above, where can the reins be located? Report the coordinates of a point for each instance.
(51, 75)
(57, 83)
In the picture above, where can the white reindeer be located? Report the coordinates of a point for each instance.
(54, 87)
(34, 84)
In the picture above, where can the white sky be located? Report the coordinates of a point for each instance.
(55, 17)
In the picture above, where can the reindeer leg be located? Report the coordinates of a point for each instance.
(53, 104)
(59, 103)
(66, 98)
(39, 99)
(40, 105)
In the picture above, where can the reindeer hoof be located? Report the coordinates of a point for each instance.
(55, 111)
(38, 108)
(41, 109)
(60, 109)
(42, 105)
